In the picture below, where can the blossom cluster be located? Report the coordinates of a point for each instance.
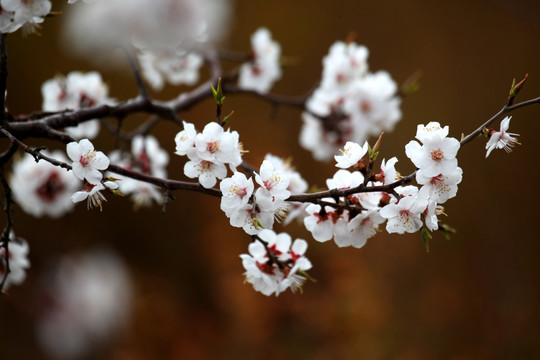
(73, 92)
(148, 158)
(208, 152)
(350, 104)
(275, 263)
(263, 69)
(351, 220)
(155, 26)
(255, 210)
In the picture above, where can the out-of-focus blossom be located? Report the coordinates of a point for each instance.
(178, 24)
(90, 300)
(42, 188)
(18, 261)
(73, 92)
(263, 69)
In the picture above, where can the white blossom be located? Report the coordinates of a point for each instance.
(502, 139)
(174, 66)
(27, 14)
(92, 194)
(351, 154)
(76, 91)
(178, 24)
(205, 171)
(87, 162)
(18, 261)
(276, 265)
(185, 141)
(236, 191)
(405, 215)
(442, 187)
(90, 304)
(42, 188)
(263, 69)
(437, 155)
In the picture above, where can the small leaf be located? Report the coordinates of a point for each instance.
(218, 93)
(426, 236)
(226, 118)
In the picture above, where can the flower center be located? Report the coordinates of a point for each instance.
(49, 190)
(437, 155)
(212, 147)
(86, 159)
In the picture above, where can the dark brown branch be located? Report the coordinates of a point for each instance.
(7, 229)
(3, 79)
(505, 110)
(164, 183)
(275, 99)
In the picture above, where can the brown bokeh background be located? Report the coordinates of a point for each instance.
(475, 296)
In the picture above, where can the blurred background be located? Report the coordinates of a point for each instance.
(475, 296)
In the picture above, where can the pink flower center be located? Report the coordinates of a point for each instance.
(405, 214)
(84, 160)
(212, 147)
(437, 180)
(365, 106)
(266, 268)
(51, 188)
(437, 155)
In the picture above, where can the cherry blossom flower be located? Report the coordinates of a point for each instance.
(86, 161)
(216, 145)
(263, 70)
(372, 104)
(297, 184)
(442, 187)
(76, 91)
(251, 217)
(236, 191)
(169, 65)
(405, 215)
(436, 156)
(149, 157)
(18, 261)
(185, 24)
(344, 63)
(344, 179)
(272, 180)
(206, 171)
(23, 13)
(432, 211)
(185, 141)
(92, 193)
(42, 188)
(362, 227)
(315, 138)
(146, 157)
(350, 104)
(352, 153)
(429, 130)
(321, 223)
(274, 264)
(89, 304)
(388, 172)
(502, 139)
